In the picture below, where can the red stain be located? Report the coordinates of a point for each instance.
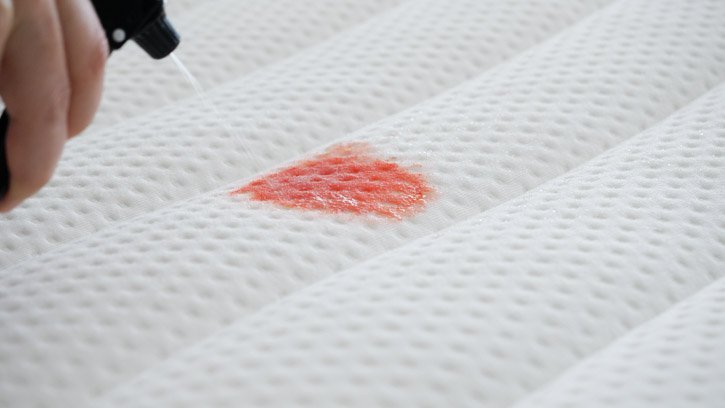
(345, 179)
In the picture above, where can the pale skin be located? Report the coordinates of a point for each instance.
(51, 77)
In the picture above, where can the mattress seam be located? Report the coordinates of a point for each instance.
(610, 343)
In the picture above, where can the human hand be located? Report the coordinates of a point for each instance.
(53, 54)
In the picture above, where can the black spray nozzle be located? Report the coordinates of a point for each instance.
(158, 38)
(143, 21)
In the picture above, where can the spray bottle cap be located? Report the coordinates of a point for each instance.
(158, 38)
(143, 21)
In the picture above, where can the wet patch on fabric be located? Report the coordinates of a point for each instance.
(347, 178)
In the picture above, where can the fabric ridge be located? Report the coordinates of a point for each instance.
(388, 203)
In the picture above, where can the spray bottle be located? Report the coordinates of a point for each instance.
(143, 21)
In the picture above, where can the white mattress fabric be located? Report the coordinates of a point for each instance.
(637, 370)
(577, 153)
(222, 40)
(400, 58)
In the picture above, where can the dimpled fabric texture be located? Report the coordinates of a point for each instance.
(579, 193)
(395, 60)
(636, 371)
(493, 307)
(222, 40)
(179, 7)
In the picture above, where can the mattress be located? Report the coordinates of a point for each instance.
(566, 246)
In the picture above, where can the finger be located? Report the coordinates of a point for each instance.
(6, 22)
(35, 87)
(86, 51)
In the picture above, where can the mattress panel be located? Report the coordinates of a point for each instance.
(494, 307)
(179, 8)
(146, 288)
(673, 361)
(401, 58)
(222, 40)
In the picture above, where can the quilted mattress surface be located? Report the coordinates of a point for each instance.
(568, 249)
